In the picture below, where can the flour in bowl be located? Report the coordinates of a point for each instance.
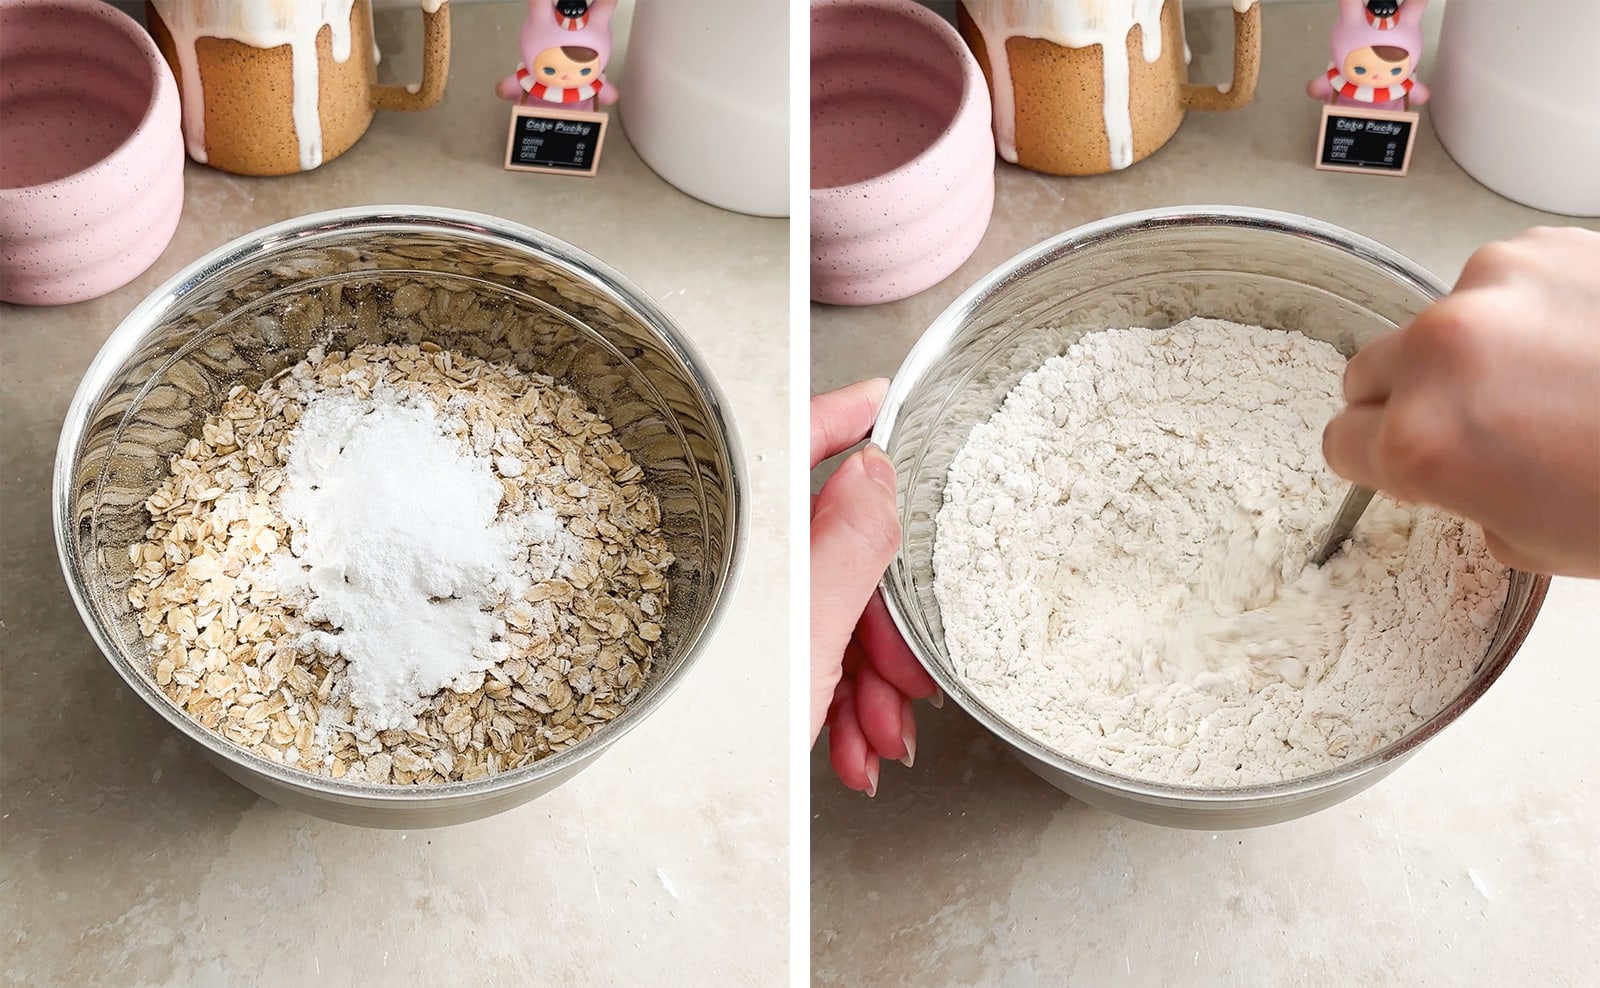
(1119, 565)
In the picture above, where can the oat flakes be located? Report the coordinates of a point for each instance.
(225, 647)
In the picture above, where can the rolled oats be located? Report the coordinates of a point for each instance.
(228, 649)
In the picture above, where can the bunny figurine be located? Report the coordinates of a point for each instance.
(565, 46)
(1377, 46)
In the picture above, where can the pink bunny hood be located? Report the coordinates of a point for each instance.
(546, 27)
(1356, 28)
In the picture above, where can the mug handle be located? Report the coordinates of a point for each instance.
(435, 66)
(1246, 67)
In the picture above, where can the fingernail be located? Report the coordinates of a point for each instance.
(876, 463)
(872, 778)
(937, 699)
(908, 733)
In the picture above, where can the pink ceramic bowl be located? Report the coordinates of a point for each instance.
(902, 158)
(91, 162)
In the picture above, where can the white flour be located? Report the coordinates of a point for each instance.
(1119, 566)
(407, 573)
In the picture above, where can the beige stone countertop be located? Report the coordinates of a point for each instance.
(1474, 864)
(129, 861)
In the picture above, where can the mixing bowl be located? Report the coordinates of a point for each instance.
(495, 290)
(1151, 269)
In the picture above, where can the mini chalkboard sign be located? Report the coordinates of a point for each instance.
(1354, 139)
(546, 139)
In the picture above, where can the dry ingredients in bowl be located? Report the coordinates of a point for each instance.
(1119, 564)
(400, 565)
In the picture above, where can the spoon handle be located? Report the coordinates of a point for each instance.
(1355, 502)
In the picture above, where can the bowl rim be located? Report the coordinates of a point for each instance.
(973, 91)
(472, 226)
(934, 342)
(163, 96)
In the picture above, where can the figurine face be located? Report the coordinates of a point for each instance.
(1378, 66)
(566, 68)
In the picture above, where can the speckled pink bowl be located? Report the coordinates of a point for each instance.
(902, 159)
(91, 163)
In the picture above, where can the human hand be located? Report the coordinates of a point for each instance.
(863, 676)
(1488, 403)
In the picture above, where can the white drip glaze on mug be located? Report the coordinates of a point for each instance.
(262, 24)
(1072, 24)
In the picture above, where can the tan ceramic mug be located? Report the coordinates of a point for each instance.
(272, 87)
(1081, 87)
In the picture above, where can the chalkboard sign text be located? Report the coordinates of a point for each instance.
(1353, 139)
(546, 139)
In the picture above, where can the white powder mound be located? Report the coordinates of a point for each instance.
(1119, 563)
(397, 547)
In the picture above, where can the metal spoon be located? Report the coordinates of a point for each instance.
(1355, 502)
